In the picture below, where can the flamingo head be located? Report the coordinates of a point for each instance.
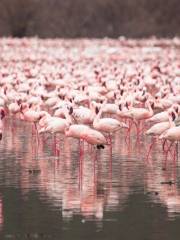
(176, 108)
(172, 114)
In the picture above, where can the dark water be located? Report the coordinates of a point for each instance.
(85, 195)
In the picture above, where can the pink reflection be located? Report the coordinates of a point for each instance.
(1, 214)
(90, 181)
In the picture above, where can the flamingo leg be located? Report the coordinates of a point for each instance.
(36, 132)
(129, 129)
(175, 154)
(58, 149)
(94, 169)
(163, 146)
(142, 129)
(150, 148)
(80, 170)
(81, 146)
(177, 149)
(168, 151)
(110, 140)
(54, 144)
(137, 129)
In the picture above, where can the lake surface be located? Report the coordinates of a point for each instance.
(65, 192)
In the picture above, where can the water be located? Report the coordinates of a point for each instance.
(93, 194)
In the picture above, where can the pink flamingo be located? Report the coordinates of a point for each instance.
(172, 134)
(31, 116)
(163, 116)
(107, 125)
(159, 128)
(84, 132)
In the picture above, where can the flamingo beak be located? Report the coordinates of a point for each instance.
(70, 110)
(0, 136)
(19, 102)
(152, 105)
(173, 116)
(21, 108)
(2, 114)
(96, 110)
(127, 105)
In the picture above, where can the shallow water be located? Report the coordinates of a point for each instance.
(85, 194)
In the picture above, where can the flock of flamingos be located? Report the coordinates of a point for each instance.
(90, 89)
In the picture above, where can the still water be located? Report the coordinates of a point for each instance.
(90, 194)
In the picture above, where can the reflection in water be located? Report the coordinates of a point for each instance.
(1, 213)
(96, 185)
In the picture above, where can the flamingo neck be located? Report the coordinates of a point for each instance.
(98, 116)
(150, 108)
(67, 116)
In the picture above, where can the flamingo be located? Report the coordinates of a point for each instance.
(94, 137)
(14, 107)
(32, 116)
(54, 124)
(82, 82)
(159, 128)
(163, 116)
(173, 133)
(76, 130)
(84, 132)
(107, 125)
(82, 115)
(138, 114)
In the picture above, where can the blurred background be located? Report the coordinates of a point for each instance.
(89, 18)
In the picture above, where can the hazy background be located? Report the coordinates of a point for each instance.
(89, 18)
